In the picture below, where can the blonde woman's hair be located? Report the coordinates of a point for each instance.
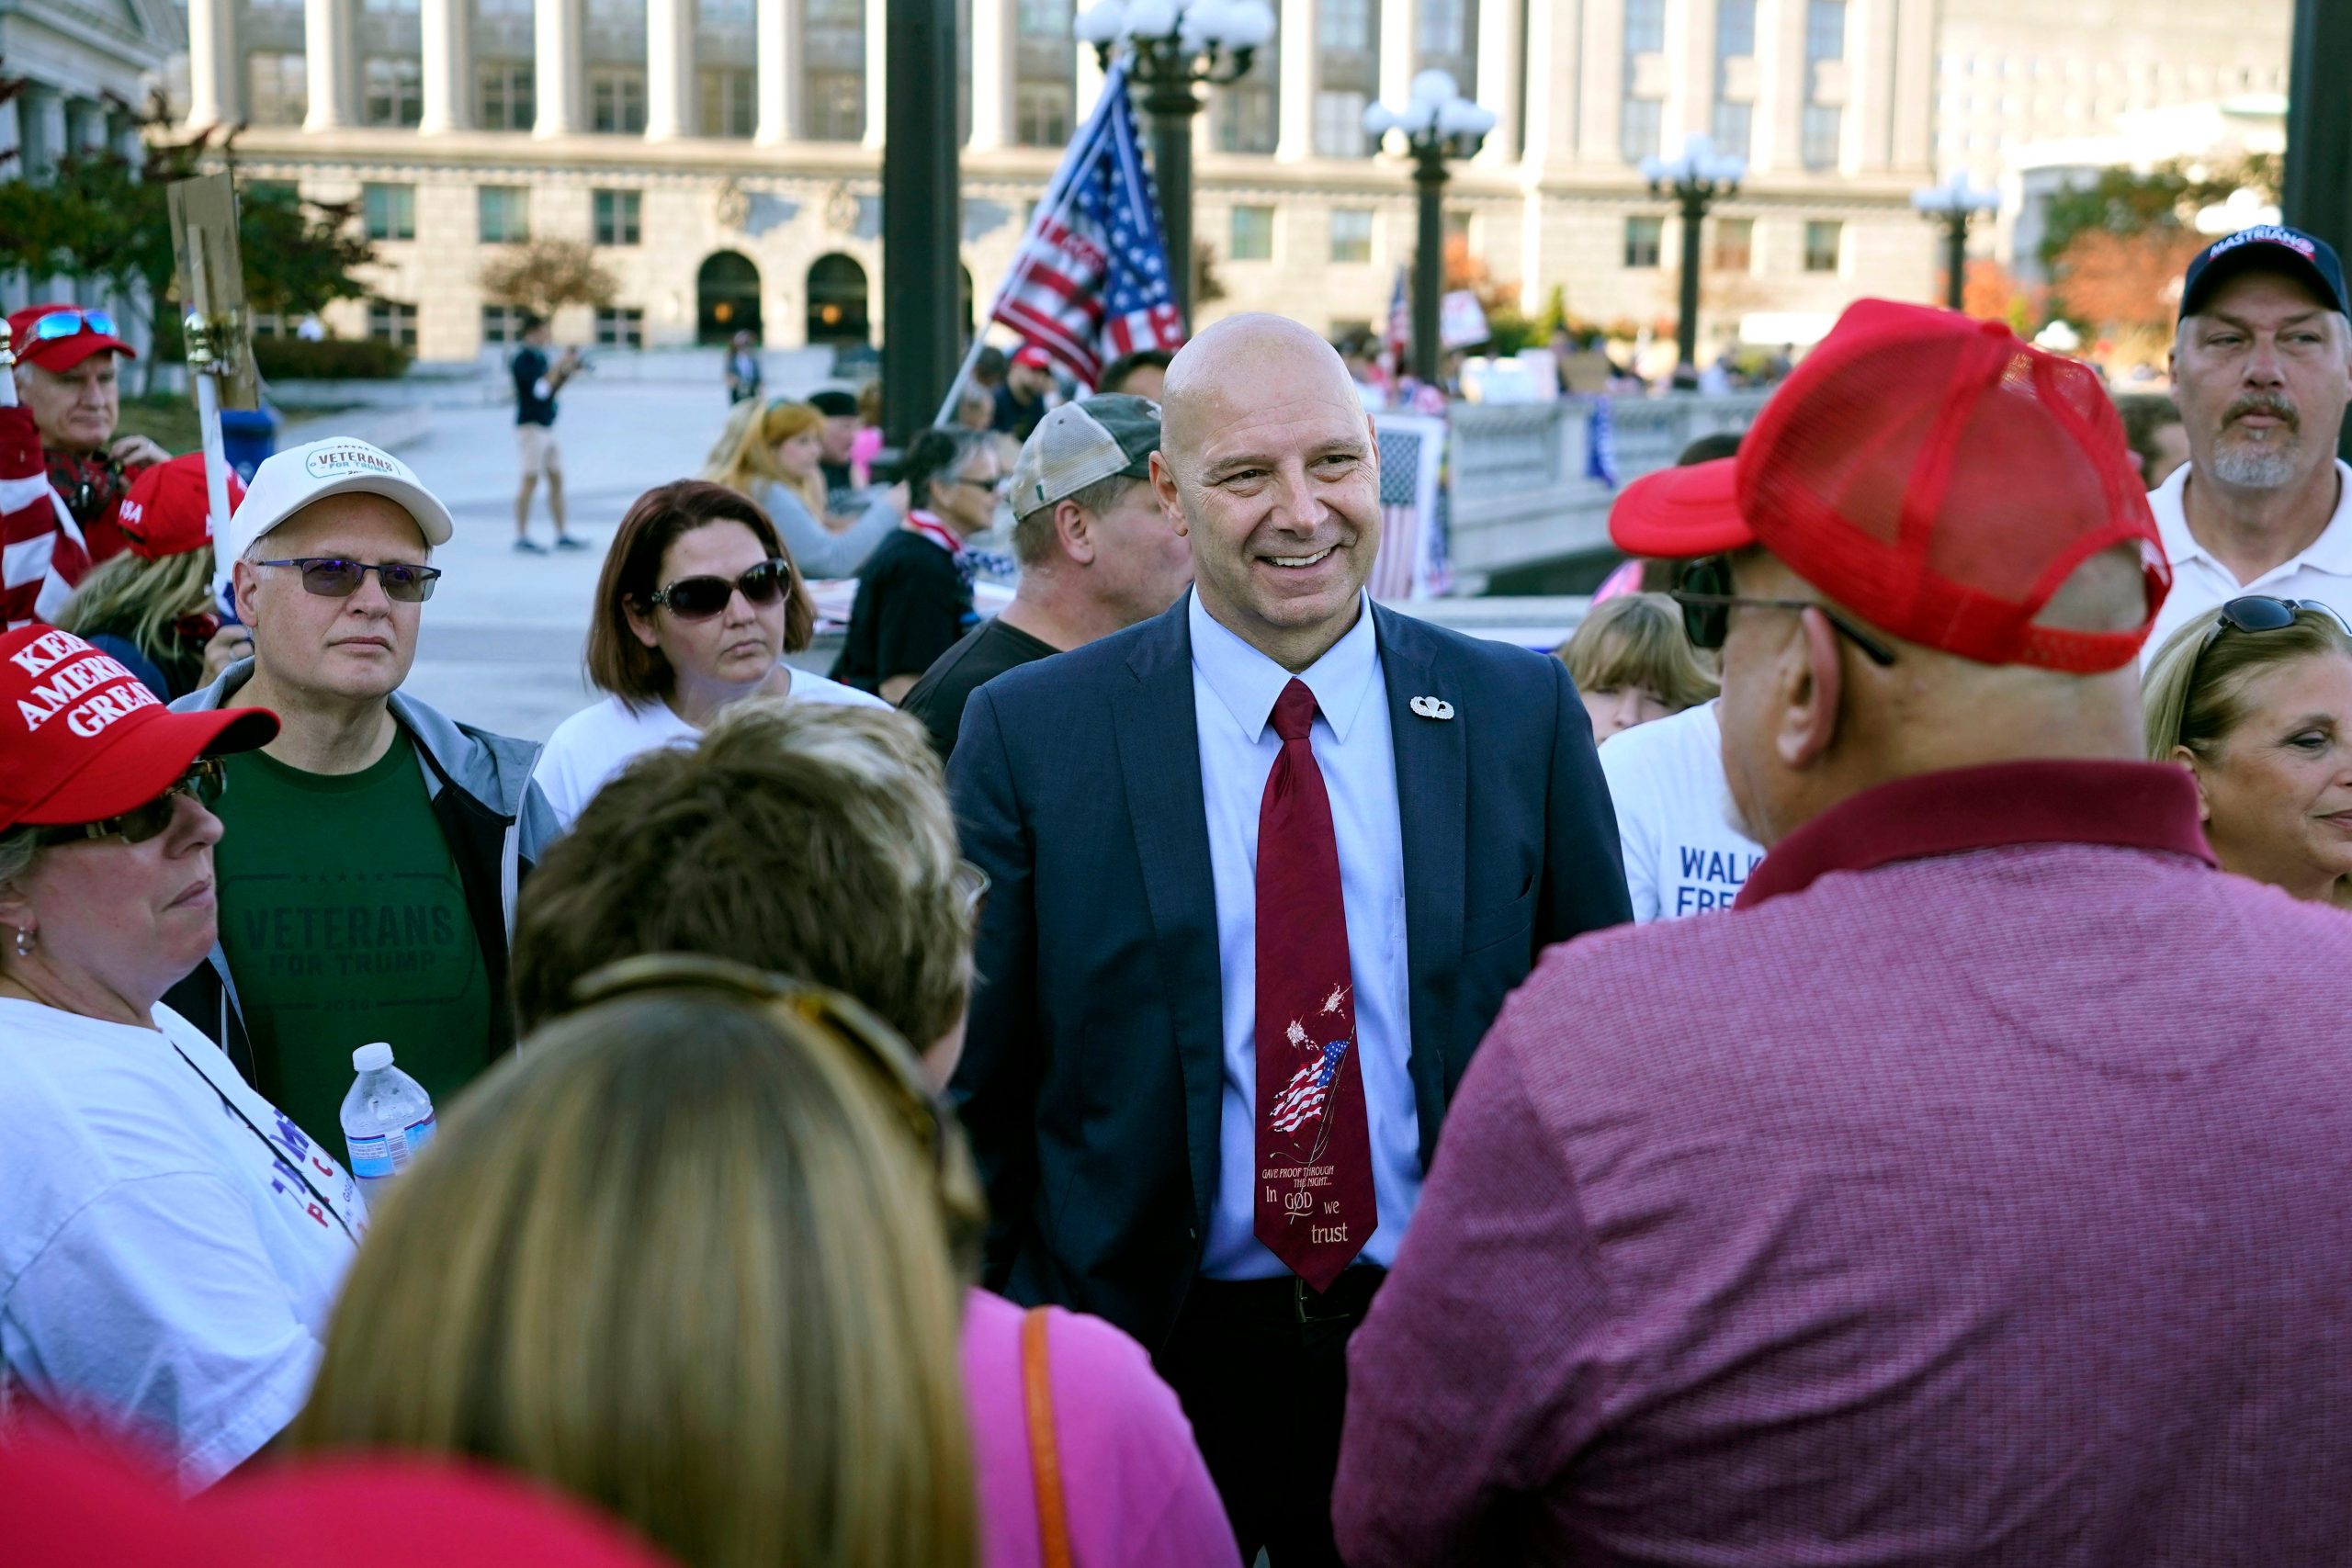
(2193, 694)
(1636, 639)
(676, 1258)
(744, 458)
(141, 600)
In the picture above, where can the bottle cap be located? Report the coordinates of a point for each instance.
(372, 1058)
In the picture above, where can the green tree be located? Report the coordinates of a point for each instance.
(2129, 203)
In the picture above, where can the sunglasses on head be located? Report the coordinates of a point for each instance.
(1705, 595)
(700, 598)
(334, 577)
(70, 323)
(205, 780)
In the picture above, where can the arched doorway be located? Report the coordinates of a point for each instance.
(837, 301)
(726, 297)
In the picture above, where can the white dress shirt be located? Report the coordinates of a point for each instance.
(1234, 689)
(2199, 583)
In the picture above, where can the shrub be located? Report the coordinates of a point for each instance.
(330, 359)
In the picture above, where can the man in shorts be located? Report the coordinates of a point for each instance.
(537, 381)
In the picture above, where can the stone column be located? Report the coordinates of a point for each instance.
(778, 51)
(446, 28)
(1690, 72)
(1397, 61)
(1784, 83)
(1601, 87)
(994, 107)
(1302, 78)
(1503, 59)
(212, 62)
(41, 120)
(327, 51)
(669, 69)
(878, 34)
(560, 77)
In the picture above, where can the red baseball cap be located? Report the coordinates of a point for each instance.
(1932, 474)
(83, 739)
(66, 1503)
(1034, 357)
(167, 512)
(63, 352)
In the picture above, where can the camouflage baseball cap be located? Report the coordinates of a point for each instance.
(1079, 443)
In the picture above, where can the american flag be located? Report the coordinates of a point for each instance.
(42, 552)
(1413, 559)
(1302, 1098)
(1090, 282)
(1600, 445)
(1399, 335)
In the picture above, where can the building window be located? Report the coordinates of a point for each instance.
(501, 326)
(1043, 18)
(1338, 125)
(395, 92)
(390, 7)
(1734, 244)
(505, 212)
(836, 107)
(620, 326)
(1824, 29)
(833, 41)
(1246, 121)
(1645, 27)
(617, 100)
(1735, 29)
(1253, 233)
(1823, 127)
(389, 211)
(1351, 234)
(616, 216)
(1733, 124)
(1042, 113)
(1344, 27)
(1644, 238)
(277, 88)
(389, 320)
(1443, 28)
(728, 101)
(1638, 127)
(504, 94)
(1822, 241)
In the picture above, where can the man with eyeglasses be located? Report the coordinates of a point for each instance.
(373, 849)
(2262, 372)
(1955, 1199)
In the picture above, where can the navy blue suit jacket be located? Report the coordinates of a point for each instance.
(1092, 1069)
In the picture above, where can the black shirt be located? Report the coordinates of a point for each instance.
(987, 651)
(530, 368)
(912, 603)
(1017, 418)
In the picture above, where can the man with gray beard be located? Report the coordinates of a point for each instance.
(2262, 370)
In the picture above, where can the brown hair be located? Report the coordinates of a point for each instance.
(1636, 639)
(2143, 414)
(2193, 694)
(678, 1259)
(802, 837)
(617, 661)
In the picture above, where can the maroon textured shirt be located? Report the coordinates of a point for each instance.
(1980, 1192)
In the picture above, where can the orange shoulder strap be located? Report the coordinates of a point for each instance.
(1045, 1455)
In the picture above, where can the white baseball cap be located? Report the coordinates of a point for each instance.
(340, 465)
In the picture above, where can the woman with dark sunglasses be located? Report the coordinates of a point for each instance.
(170, 1244)
(2255, 699)
(697, 605)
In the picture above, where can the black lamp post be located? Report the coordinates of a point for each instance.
(1437, 123)
(1697, 178)
(1955, 205)
(1171, 48)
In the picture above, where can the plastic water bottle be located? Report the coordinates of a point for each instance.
(387, 1119)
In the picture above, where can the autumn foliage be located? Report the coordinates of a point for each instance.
(2112, 282)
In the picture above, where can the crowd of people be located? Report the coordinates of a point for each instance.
(1199, 1066)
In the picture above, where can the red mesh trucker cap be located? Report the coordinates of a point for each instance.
(1932, 474)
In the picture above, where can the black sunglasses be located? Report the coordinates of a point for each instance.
(700, 598)
(333, 576)
(205, 780)
(1705, 595)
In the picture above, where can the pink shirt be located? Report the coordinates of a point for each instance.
(1136, 1492)
(1979, 1191)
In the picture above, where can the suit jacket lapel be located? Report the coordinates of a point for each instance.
(1432, 811)
(1160, 757)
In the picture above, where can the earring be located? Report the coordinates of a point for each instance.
(25, 943)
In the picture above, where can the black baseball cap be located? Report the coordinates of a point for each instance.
(2265, 247)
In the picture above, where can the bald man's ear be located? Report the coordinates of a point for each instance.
(1812, 686)
(1163, 485)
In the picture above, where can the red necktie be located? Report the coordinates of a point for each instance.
(1315, 1207)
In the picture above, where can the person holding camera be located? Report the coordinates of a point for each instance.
(537, 381)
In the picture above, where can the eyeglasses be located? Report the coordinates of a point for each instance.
(1706, 599)
(994, 486)
(205, 781)
(2254, 613)
(333, 576)
(700, 598)
(70, 323)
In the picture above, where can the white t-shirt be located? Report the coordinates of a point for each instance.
(2199, 583)
(170, 1246)
(1666, 779)
(594, 744)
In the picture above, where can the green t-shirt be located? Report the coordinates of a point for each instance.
(344, 921)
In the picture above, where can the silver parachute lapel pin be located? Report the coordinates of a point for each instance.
(1431, 707)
